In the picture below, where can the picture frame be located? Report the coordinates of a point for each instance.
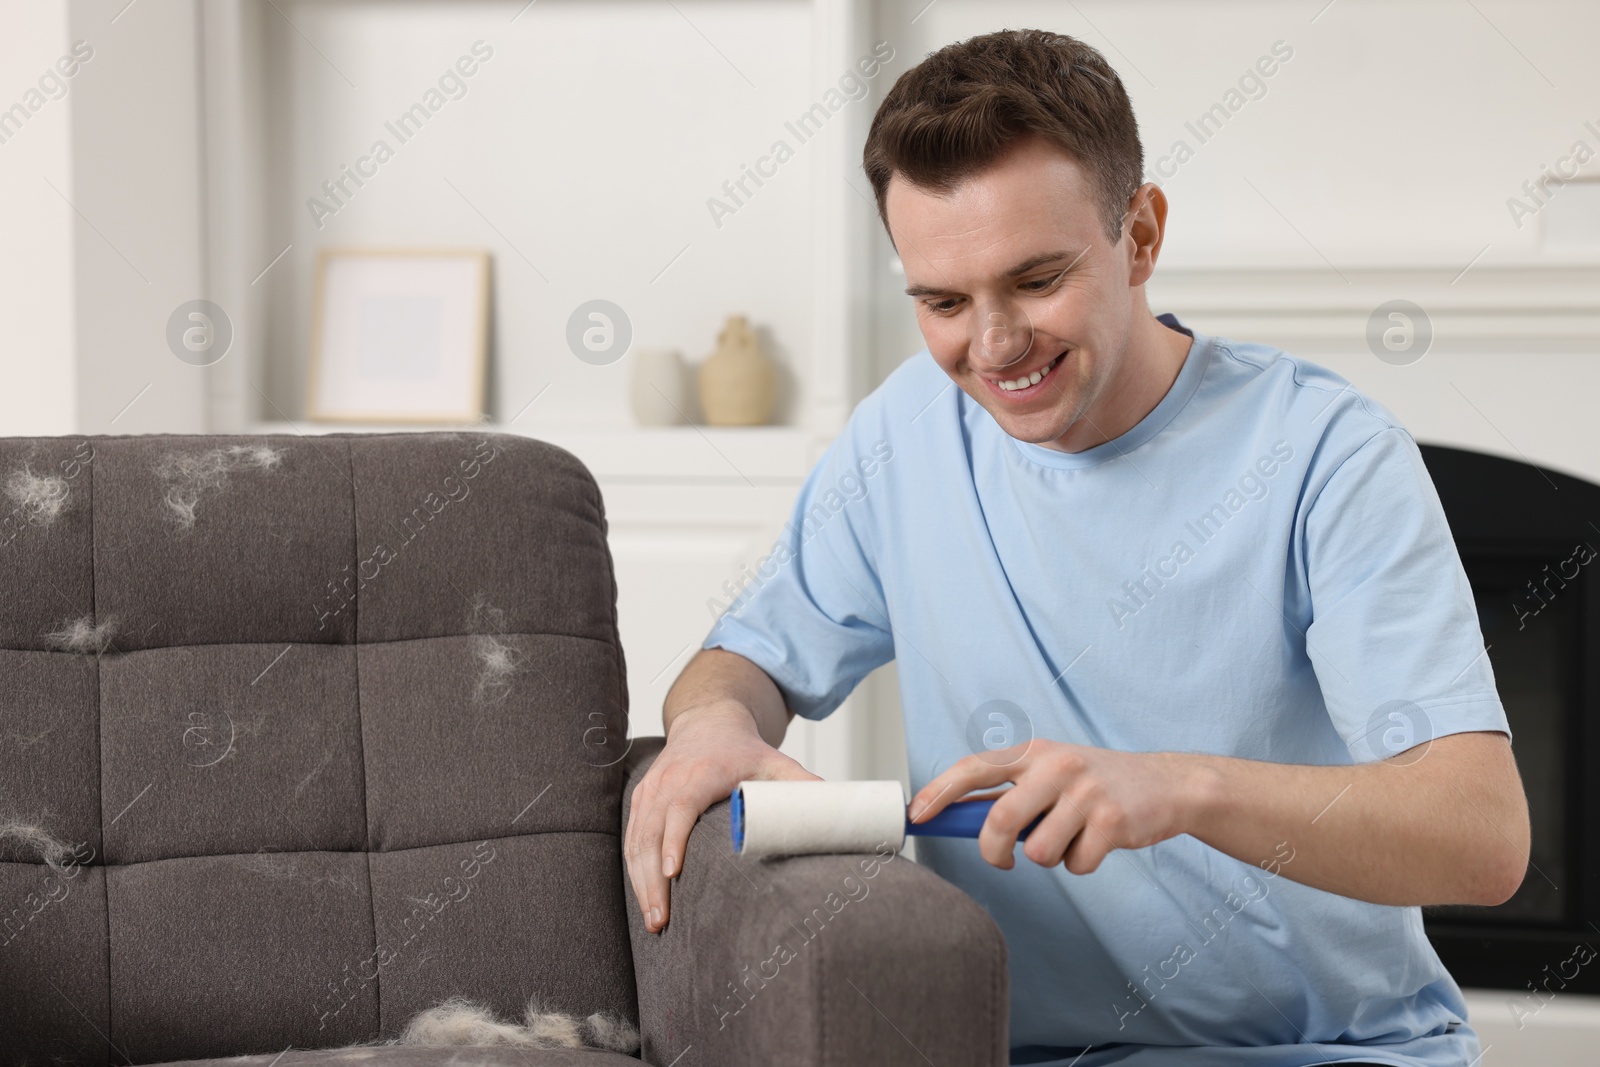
(399, 335)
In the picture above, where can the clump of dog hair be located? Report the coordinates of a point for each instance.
(83, 635)
(612, 1032)
(497, 658)
(39, 497)
(191, 475)
(458, 1022)
(35, 838)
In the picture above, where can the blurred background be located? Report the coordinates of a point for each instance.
(1330, 164)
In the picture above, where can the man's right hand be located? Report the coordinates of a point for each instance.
(710, 748)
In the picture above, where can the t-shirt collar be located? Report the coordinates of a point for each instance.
(1188, 380)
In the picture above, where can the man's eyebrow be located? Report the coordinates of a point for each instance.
(1031, 263)
(1034, 262)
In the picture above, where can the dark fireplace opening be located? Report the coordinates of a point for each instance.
(1529, 540)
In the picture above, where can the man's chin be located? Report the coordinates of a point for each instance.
(1042, 427)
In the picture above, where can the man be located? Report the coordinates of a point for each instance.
(1206, 588)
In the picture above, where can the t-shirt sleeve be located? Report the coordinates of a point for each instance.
(1394, 636)
(812, 612)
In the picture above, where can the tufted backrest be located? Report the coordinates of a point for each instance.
(300, 736)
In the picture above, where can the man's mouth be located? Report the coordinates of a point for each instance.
(1026, 385)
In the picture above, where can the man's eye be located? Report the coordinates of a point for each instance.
(941, 307)
(1039, 285)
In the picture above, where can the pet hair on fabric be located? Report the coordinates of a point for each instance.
(190, 476)
(461, 1023)
(40, 498)
(53, 851)
(498, 660)
(83, 635)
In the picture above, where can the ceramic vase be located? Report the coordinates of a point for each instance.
(738, 382)
(659, 391)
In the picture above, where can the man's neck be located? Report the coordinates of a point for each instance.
(1156, 354)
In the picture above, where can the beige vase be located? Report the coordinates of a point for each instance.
(738, 382)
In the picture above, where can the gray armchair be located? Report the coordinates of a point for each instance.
(301, 736)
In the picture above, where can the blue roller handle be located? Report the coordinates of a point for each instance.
(964, 818)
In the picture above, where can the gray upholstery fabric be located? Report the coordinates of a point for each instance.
(424, 1057)
(306, 802)
(341, 733)
(835, 960)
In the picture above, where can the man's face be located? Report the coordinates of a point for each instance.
(1020, 296)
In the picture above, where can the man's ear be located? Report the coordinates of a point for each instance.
(1145, 226)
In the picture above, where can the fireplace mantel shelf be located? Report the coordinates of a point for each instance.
(1532, 308)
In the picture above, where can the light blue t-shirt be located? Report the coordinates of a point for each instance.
(1259, 568)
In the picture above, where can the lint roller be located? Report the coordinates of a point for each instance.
(808, 818)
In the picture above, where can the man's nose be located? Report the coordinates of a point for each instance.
(1002, 336)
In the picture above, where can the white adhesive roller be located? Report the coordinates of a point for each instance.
(803, 818)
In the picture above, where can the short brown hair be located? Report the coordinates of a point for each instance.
(961, 108)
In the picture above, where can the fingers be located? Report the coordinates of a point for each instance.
(661, 840)
(643, 851)
(1088, 850)
(1048, 842)
(1104, 828)
(666, 805)
(679, 822)
(1019, 806)
(1087, 802)
(684, 811)
(962, 778)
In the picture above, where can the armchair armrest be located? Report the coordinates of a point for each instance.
(817, 960)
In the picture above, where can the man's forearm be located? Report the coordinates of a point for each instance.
(718, 679)
(1444, 824)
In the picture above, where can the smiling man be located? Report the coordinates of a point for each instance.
(1190, 603)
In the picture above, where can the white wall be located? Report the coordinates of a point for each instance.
(104, 225)
(138, 235)
(36, 301)
(582, 155)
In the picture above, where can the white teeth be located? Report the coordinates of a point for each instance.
(1032, 379)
